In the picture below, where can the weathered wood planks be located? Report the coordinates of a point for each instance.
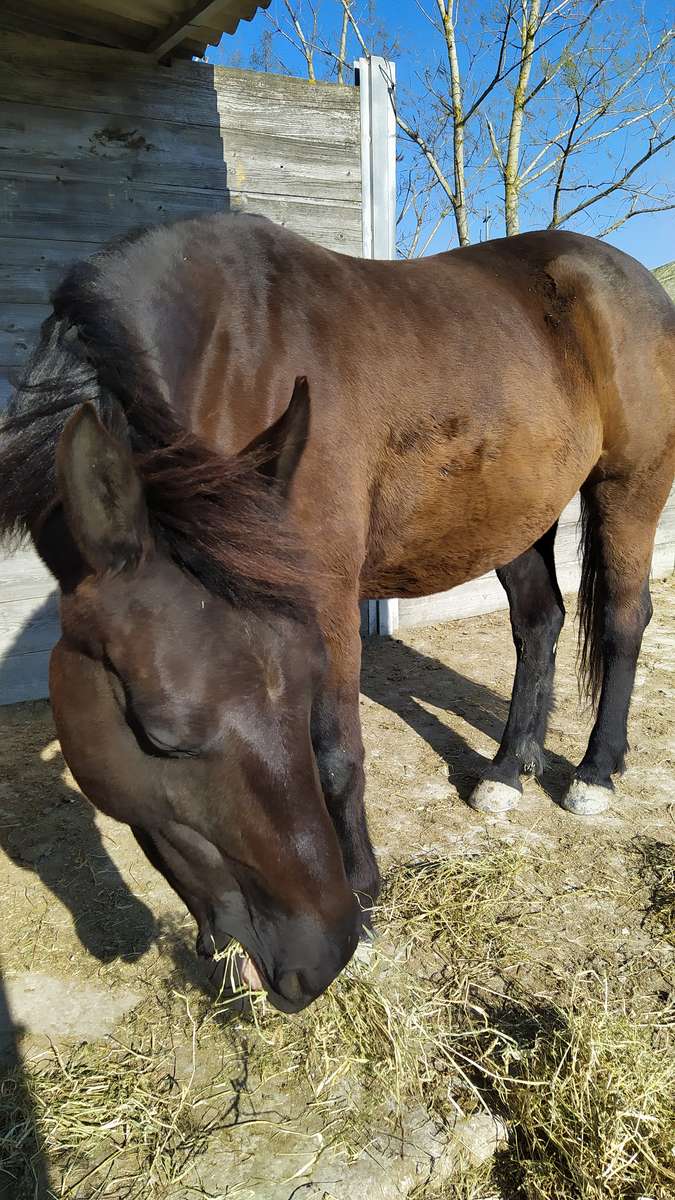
(91, 78)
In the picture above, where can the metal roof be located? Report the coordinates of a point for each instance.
(156, 27)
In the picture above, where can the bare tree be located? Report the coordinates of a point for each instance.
(556, 107)
(593, 94)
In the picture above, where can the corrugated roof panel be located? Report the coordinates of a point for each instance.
(157, 27)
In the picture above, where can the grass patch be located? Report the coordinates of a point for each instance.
(439, 1016)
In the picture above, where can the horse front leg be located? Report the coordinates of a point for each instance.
(338, 746)
(537, 615)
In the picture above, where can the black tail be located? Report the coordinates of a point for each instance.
(592, 602)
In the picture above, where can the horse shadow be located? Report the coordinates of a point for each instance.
(23, 1167)
(403, 679)
(48, 828)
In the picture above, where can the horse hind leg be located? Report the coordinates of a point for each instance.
(537, 615)
(619, 519)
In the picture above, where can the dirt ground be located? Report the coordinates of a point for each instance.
(90, 934)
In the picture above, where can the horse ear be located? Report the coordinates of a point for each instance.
(279, 448)
(102, 494)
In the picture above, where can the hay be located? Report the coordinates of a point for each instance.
(383, 1035)
(431, 1016)
(591, 1108)
(473, 1183)
(122, 1111)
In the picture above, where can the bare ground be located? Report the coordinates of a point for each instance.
(94, 945)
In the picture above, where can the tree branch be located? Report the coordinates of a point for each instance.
(495, 147)
(564, 160)
(537, 49)
(595, 114)
(633, 212)
(307, 49)
(499, 69)
(342, 52)
(346, 4)
(617, 184)
(458, 122)
(416, 137)
(528, 31)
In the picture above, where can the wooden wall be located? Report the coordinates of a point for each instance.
(94, 142)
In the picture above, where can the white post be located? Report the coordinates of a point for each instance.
(376, 79)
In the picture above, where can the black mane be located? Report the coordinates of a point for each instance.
(217, 517)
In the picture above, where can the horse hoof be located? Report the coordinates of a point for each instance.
(365, 949)
(586, 799)
(491, 797)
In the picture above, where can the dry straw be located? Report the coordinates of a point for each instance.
(430, 1016)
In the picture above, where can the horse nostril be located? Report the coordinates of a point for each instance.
(289, 985)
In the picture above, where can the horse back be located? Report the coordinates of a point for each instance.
(458, 402)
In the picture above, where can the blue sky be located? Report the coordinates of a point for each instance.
(417, 44)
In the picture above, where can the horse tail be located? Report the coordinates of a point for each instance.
(592, 600)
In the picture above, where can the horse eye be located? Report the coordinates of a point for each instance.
(150, 741)
(154, 743)
(161, 747)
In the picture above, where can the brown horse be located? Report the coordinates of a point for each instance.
(212, 542)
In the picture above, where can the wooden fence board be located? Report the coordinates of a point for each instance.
(32, 71)
(24, 677)
(86, 210)
(26, 628)
(44, 140)
(31, 267)
(19, 326)
(23, 572)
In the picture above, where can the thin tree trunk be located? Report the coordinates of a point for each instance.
(459, 199)
(342, 53)
(528, 30)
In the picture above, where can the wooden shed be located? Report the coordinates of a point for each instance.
(105, 124)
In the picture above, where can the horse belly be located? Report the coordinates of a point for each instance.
(439, 526)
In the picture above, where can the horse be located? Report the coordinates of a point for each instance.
(227, 437)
